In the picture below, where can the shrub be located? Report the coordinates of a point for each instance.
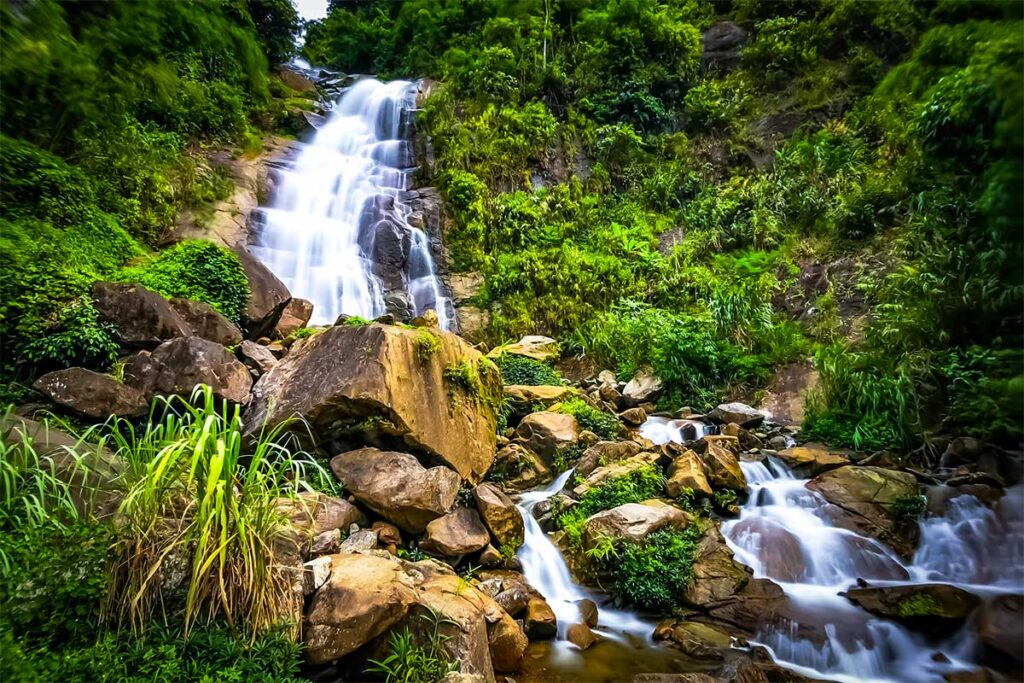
(517, 369)
(197, 270)
(463, 374)
(427, 344)
(411, 662)
(654, 574)
(78, 338)
(637, 486)
(601, 423)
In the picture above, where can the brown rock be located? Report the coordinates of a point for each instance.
(140, 317)
(500, 515)
(723, 469)
(936, 609)
(865, 498)
(507, 644)
(605, 453)
(696, 640)
(364, 597)
(335, 513)
(206, 322)
(387, 534)
(514, 599)
(491, 557)
(619, 469)
(457, 533)
(518, 468)
(540, 620)
(295, 316)
(268, 296)
(634, 417)
(645, 386)
(257, 357)
(1001, 626)
(92, 394)
(631, 522)
(327, 543)
(396, 486)
(588, 612)
(177, 366)
(523, 395)
(581, 636)
(532, 346)
(687, 472)
(546, 433)
(716, 574)
(333, 388)
(811, 460)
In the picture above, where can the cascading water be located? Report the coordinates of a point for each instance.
(338, 232)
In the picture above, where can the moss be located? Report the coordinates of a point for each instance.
(463, 374)
(427, 344)
(920, 605)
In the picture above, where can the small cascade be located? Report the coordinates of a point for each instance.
(661, 430)
(338, 232)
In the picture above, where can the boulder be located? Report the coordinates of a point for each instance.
(335, 513)
(361, 541)
(865, 499)
(696, 640)
(268, 296)
(740, 413)
(935, 609)
(327, 543)
(141, 318)
(387, 534)
(206, 322)
(633, 417)
(717, 576)
(1001, 627)
(257, 357)
(455, 534)
(523, 398)
(177, 366)
(723, 469)
(518, 469)
(501, 515)
(546, 433)
(645, 386)
(687, 473)
(363, 598)
(581, 636)
(588, 612)
(397, 487)
(811, 459)
(315, 574)
(615, 470)
(92, 394)
(532, 346)
(632, 523)
(540, 620)
(605, 453)
(295, 316)
(721, 45)
(507, 644)
(332, 387)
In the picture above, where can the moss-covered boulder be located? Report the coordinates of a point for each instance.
(935, 609)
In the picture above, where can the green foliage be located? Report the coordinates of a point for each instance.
(463, 374)
(639, 485)
(516, 369)
(411, 662)
(908, 510)
(197, 270)
(654, 574)
(427, 344)
(78, 337)
(605, 425)
(922, 605)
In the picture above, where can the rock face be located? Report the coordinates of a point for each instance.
(258, 357)
(268, 295)
(92, 394)
(397, 487)
(140, 317)
(346, 374)
(865, 498)
(717, 576)
(500, 514)
(296, 315)
(721, 45)
(936, 609)
(546, 433)
(618, 469)
(207, 322)
(811, 460)
(723, 469)
(1001, 626)
(531, 346)
(687, 472)
(177, 366)
(456, 534)
(740, 413)
(632, 522)
(644, 387)
(364, 597)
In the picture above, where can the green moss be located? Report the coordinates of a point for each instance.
(605, 425)
(920, 605)
(463, 374)
(427, 344)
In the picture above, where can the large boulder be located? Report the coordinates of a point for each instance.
(546, 433)
(177, 366)
(717, 576)
(936, 609)
(501, 515)
(696, 640)
(723, 468)
(441, 405)
(207, 322)
(295, 316)
(268, 296)
(455, 534)
(632, 522)
(518, 469)
(141, 318)
(257, 357)
(687, 473)
(92, 394)
(397, 487)
(867, 500)
(531, 346)
(605, 453)
(1001, 628)
(364, 597)
(740, 413)
(645, 387)
(811, 459)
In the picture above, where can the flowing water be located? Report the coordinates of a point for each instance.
(338, 232)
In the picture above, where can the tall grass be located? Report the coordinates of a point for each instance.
(203, 513)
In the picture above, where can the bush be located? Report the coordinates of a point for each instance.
(605, 425)
(654, 575)
(516, 369)
(196, 270)
(78, 338)
(637, 486)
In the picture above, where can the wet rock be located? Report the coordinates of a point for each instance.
(364, 597)
(177, 366)
(645, 386)
(546, 433)
(507, 644)
(687, 473)
(295, 316)
(491, 557)
(605, 453)
(257, 357)
(540, 620)
(756, 603)
(740, 413)
(781, 555)
(744, 437)
(1001, 628)
(729, 443)
(632, 522)
(581, 636)
(633, 416)
(717, 576)
(333, 388)
(935, 609)
(92, 394)
(531, 346)
(723, 469)
(140, 318)
(811, 459)
(206, 322)
(588, 612)
(268, 296)
(696, 640)
(615, 470)
(866, 500)
(455, 534)
(518, 469)
(963, 450)
(500, 514)
(397, 487)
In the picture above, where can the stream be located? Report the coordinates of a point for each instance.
(783, 533)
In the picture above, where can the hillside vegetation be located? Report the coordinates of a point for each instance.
(844, 183)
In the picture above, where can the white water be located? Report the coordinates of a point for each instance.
(345, 190)
(546, 571)
(661, 430)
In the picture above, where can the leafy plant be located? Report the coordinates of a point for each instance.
(637, 486)
(605, 425)
(654, 574)
(516, 369)
(410, 662)
(427, 344)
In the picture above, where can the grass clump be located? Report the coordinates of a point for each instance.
(639, 485)
(412, 662)
(517, 369)
(605, 425)
(197, 270)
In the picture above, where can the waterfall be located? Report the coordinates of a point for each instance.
(339, 231)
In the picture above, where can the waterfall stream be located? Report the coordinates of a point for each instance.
(339, 231)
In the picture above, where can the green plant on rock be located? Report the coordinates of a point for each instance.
(921, 605)
(908, 510)
(639, 485)
(412, 662)
(463, 374)
(655, 573)
(516, 369)
(427, 344)
(79, 337)
(605, 425)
